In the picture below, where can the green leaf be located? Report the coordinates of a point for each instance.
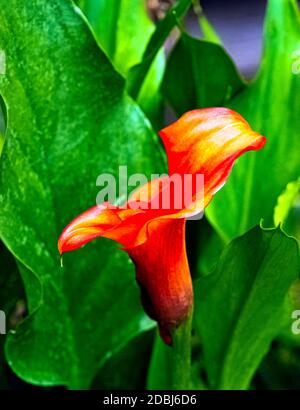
(287, 336)
(287, 215)
(1, 141)
(196, 60)
(286, 201)
(280, 369)
(11, 302)
(2, 124)
(240, 308)
(159, 373)
(69, 120)
(164, 27)
(128, 368)
(209, 249)
(287, 210)
(173, 361)
(271, 105)
(123, 29)
(209, 33)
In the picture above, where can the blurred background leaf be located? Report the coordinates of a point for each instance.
(61, 136)
(280, 369)
(208, 31)
(198, 60)
(240, 308)
(164, 27)
(287, 210)
(123, 29)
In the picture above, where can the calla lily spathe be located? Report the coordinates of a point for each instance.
(204, 141)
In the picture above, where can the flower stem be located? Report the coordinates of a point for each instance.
(170, 366)
(180, 362)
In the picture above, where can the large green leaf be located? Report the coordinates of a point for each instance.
(68, 121)
(270, 103)
(240, 308)
(123, 29)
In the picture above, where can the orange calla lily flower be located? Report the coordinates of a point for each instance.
(202, 142)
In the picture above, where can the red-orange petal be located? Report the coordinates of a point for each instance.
(208, 141)
(163, 274)
(122, 225)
